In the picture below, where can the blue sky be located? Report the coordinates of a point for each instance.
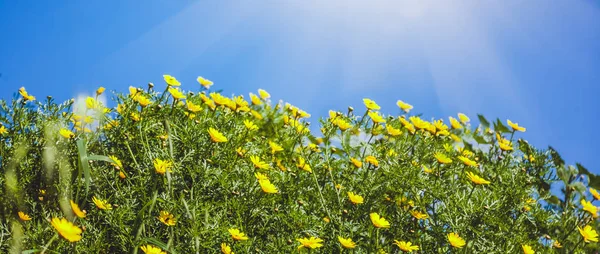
(535, 62)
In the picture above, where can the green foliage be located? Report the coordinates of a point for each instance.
(211, 187)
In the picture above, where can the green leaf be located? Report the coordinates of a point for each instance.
(483, 121)
(480, 139)
(95, 157)
(553, 200)
(556, 158)
(578, 186)
(84, 163)
(499, 126)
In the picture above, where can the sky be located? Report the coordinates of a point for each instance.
(535, 62)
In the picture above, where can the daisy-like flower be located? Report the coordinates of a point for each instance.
(303, 165)
(372, 160)
(171, 81)
(347, 242)
(468, 161)
(355, 198)
(3, 129)
(477, 179)
(342, 124)
(149, 249)
(370, 104)
(26, 96)
(311, 243)
(378, 221)
(442, 158)
(515, 126)
(23, 216)
(102, 204)
(590, 208)
(204, 82)
(275, 147)
(267, 186)
(376, 117)
(588, 234)
(595, 193)
(194, 108)
(178, 95)
(419, 123)
(263, 94)
(527, 249)
(404, 106)
(393, 131)
(142, 100)
(216, 136)
(162, 166)
(455, 240)
(418, 215)
(236, 234)
(406, 246)
(455, 123)
(100, 91)
(66, 133)
(260, 176)
(66, 229)
(464, 119)
(356, 162)
(225, 249)
(167, 218)
(116, 162)
(556, 244)
(255, 99)
(259, 163)
(78, 212)
(250, 125)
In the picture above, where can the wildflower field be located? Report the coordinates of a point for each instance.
(185, 169)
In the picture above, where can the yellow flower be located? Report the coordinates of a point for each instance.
(142, 100)
(254, 99)
(116, 162)
(455, 123)
(347, 242)
(595, 193)
(66, 133)
(256, 114)
(419, 123)
(342, 124)
(372, 160)
(91, 103)
(258, 163)
(178, 95)
(311, 243)
(556, 244)
(275, 147)
(260, 176)
(455, 138)
(2, 129)
(121, 174)
(171, 81)
(515, 126)
(226, 249)
(406, 246)
(23, 216)
(76, 210)
(149, 249)
(102, 204)
(100, 91)
(476, 179)
(404, 106)
(303, 165)
(66, 229)
(392, 131)
(426, 169)
(267, 186)
(442, 158)
(219, 99)
(527, 249)
(455, 240)
(162, 166)
(590, 208)
(193, 107)
(135, 117)
(216, 136)
(356, 162)
(250, 125)
(371, 104)
(237, 235)
(505, 145)
(378, 221)
(204, 82)
(376, 117)
(26, 96)
(463, 118)
(589, 234)
(467, 161)
(418, 215)
(263, 94)
(167, 218)
(355, 198)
